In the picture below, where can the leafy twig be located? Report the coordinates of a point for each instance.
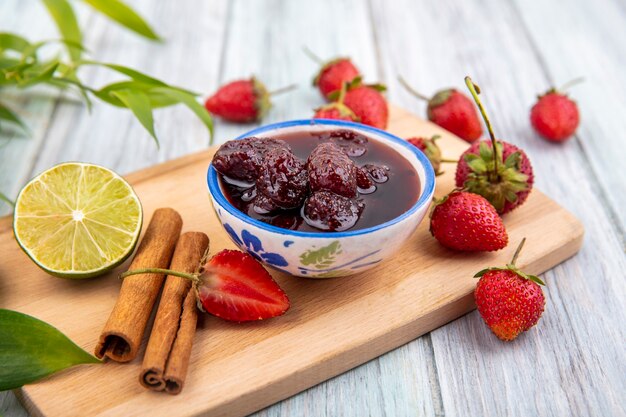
(20, 67)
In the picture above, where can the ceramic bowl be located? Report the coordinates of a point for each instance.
(328, 254)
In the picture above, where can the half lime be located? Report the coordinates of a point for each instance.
(77, 220)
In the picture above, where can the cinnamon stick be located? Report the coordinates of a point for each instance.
(121, 337)
(167, 355)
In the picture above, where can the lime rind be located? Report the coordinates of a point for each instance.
(77, 220)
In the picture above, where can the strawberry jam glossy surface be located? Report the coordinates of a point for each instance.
(352, 182)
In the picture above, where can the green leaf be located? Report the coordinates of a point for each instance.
(157, 98)
(486, 153)
(31, 349)
(323, 257)
(477, 165)
(10, 116)
(536, 279)
(124, 15)
(6, 62)
(513, 160)
(510, 196)
(139, 103)
(32, 49)
(39, 75)
(482, 272)
(13, 42)
(65, 19)
(71, 78)
(190, 101)
(7, 200)
(134, 74)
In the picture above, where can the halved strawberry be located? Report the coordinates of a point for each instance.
(234, 286)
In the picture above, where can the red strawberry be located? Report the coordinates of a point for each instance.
(234, 286)
(337, 109)
(505, 180)
(509, 301)
(368, 103)
(333, 74)
(430, 149)
(467, 222)
(240, 101)
(555, 116)
(451, 110)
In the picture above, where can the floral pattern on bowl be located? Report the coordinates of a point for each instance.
(254, 247)
(322, 262)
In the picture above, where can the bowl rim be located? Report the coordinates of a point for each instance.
(424, 199)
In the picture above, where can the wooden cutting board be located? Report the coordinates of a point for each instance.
(332, 326)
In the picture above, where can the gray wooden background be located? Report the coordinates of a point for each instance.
(573, 363)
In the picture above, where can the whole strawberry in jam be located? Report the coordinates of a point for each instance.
(467, 222)
(430, 149)
(283, 178)
(241, 159)
(328, 211)
(555, 116)
(337, 109)
(330, 169)
(333, 74)
(509, 301)
(504, 177)
(367, 103)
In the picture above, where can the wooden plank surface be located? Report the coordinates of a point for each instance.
(237, 369)
(514, 52)
(554, 365)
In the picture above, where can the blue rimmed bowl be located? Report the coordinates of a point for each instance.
(327, 254)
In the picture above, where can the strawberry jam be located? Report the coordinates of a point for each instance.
(326, 181)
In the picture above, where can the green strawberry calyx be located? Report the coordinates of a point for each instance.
(355, 83)
(496, 180)
(492, 177)
(262, 101)
(433, 153)
(344, 110)
(440, 98)
(511, 267)
(562, 90)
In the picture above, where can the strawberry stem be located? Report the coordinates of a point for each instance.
(450, 161)
(311, 55)
(475, 91)
(342, 92)
(411, 90)
(283, 90)
(571, 83)
(517, 251)
(192, 277)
